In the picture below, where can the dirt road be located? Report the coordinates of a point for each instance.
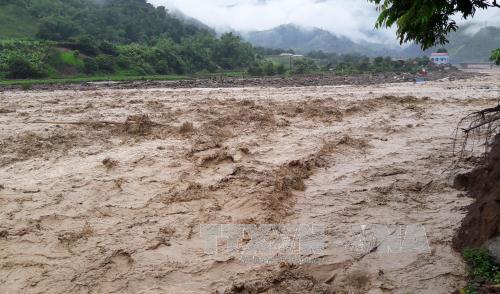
(104, 191)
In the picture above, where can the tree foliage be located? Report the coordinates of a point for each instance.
(117, 21)
(495, 56)
(355, 63)
(427, 22)
(126, 36)
(19, 67)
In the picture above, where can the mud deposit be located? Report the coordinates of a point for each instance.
(104, 191)
(483, 220)
(225, 82)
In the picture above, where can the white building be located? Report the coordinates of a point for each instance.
(440, 58)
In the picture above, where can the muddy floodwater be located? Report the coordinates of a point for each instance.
(105, 191)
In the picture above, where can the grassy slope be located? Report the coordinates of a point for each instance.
(16, 23)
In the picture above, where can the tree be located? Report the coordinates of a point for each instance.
(426, 22)
(108, 48)
(57, 29)
(105, 63)
(495, 56)
(268, 68)
(280, 69)
(254, 70)
(304, 66)
(232, 53)
(90, 66)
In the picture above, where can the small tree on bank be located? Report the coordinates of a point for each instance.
(495, 56)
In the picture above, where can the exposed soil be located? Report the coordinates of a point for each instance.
(223, 82)
(483, 220)
(103, 191)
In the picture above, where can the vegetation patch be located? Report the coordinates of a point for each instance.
(484, 273)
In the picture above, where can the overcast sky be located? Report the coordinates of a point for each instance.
(350, 18)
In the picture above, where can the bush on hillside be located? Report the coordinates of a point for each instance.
(90, 66)
(108, 48)
(105, 63)
(19, 67)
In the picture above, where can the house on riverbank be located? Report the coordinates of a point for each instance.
(440, 58)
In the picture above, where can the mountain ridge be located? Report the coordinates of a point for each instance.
(463, 45)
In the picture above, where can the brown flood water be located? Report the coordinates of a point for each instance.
(73, 222)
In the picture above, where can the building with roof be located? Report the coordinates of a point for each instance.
(440, 58)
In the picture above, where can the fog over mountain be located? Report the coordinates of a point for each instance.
(353, 19)
(305, 40)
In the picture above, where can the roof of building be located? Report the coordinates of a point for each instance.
(440, 54)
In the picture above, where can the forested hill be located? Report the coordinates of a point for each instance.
(118, 21)
(66, 38)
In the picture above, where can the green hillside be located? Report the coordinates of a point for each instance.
(16, 22)
(72, 38)
(121, 21)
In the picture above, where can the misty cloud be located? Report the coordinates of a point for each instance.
(351, 18)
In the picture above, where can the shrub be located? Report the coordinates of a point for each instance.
(304, 66)
(108, 48)
(162, 67)
(123, 61)
(495, 56)
(19, 67)
(105, 63)
(255, 70)
(90, 66)
(83, 44)
(281, 69)
(268, 68)
(481, 265)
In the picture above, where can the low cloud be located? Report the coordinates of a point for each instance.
(351, 18)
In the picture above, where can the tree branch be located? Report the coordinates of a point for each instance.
(485, 122)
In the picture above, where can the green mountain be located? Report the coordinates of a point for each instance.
(118, 21)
